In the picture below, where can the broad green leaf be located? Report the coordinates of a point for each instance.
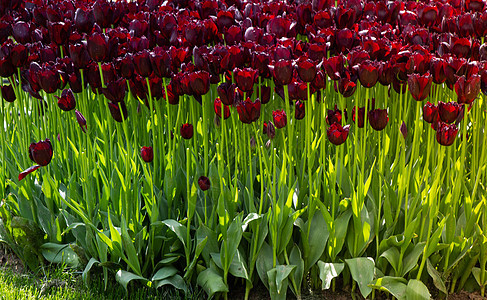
(164, 273)
(437, 280)
(411, 260)
(234, 235)
(124, 277)
(435, 238)
(275, 294)
(264, 263)
(56, 253)
(86, 271)
(318, 236)
(282, 272)
(328, 271)
(362, 270)
(416, 290)
(201, 245)
(211, 282)
(237, 267)
(178, 229)
(296, 259)
(176, 281)
(396, 286)
(392, 255)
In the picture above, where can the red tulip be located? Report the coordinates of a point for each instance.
(199, 82)
(430, 113)
(142, 63)
(116, 112)
(282, 71)
(404, 130)
(80, 56)
(467, 89)
(419, 86)
(378, 118)
(115, 90)
(218, 109)
(204, 183)
(48, 78)
(337, 134)
(81, 120)
(98, 47)
(41, 152)
(269, 129)
(445, 134)
(361, 116)
(248, 111)
(306, 69)
(7, 93)
(245, 78)
(280, 118)
(186, 131)
(66, 102)
(448, 112)
(226, 92)
(334, 116)
(299, 110)
(368, 74)
(147, 154)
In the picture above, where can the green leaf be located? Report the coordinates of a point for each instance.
(164, 273)
(237, 267)
(124, 277)
(86, 271)
(282, 272)
(56, 253)
(362, 270)
(392, 255)
(438, 282)
(176, 281)
(264, 263)
(211, 282)
(128, 245)
(396, 286)
(201, 245)
(318, 236)
(178, 229)
(296, 259)
(275, 294)
(234, 235)
(416, 290)
(328, 271)
(411, 260)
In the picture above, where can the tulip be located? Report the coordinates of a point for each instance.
(126, 66)
(306, 69)
(41, 152)
(226, 92)
(116, 112)
(84, 19)
(334, 116)
(115, 90)
(98, 47)
(199, 82)
(218, 109)
(80, 56)
(161, 63)
(142, 63)
(19, 55)
(368, 74)
(48, 78)
(282, 71)
(467, 89)
(430, 113)
(280, 118)
(147, 154)
(419, 86)
(245, 78)
(204, 183)
(404, 130)
(186, 131)
(334, 66)
(269, 129)
(445, 134)
(337, 134)
(81, 120)
(8, 93)
(248, 111)
(378, 118)
(361, 116)
(448, 112)
(299, 110)
(347, 85)
(66, 102)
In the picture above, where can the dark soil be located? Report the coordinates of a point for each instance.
(9, 260)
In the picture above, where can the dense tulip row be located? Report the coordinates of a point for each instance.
(265, 107)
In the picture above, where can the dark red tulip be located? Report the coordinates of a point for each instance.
(430, 113)
(204, 183)
(245, 78)
(186, 131)
(126, 66)
(280, 26)
(461, 47)
(116, 112)
(269, 129)
(199, 82)
(265, 92)
(98, 47)
(448, 112)
(19, 55)
(334, 66)
(368, 73)
(361, 116)
(437, 68)
(218, 109)
(41, 152)
(248, 111)
(347, 85)
(345, 39)
(161, 63)
(233, 35)
(58, 31)
(147, 154)
(446, 133)
(66, 102)
(115, 90)
(299, 110)
(404, 130)
(282, 71)
(81, 120)
(280, 118)
(467, 89)
(337, 134)
(419, 86)
(334, 116)
(84, 19)
(48, 78)
(8, 93)
(260, 61)
(378, 118)
(79, 55)
(21, 32)
(142, 63)
(306, 69)
(103, 13)
(226, 92)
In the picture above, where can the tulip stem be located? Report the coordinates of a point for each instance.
(154, 140)
(290, 135)
(205, 132)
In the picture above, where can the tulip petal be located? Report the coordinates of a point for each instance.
(24, 173)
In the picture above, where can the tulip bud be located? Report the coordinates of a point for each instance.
(147, 154)
(204, 183)
(81, 120)
(404, 130)
(280, 118)
(186, 131)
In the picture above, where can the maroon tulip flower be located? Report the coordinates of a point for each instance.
(368, 73)
(467, 89)
(48, 78)
(269, 129)
(248, 111)
(430, 113)
(306, 69)
(337, 134)
(147, 154)
(41, 152)
(226, 92)
(19, 55)
(445, 134)
(115, 90)
(79, 55)
(282, 71)
(81, 120)
(334, 116)
(186, 131)
(58, 32)
(8, 93)
(299, 110)
(448, 112)
(126, 66)
(204, 183)
(265, 92)
(84, 19)
(404, 130)
(142, 63)
(280, 118)
(161, 63)
(437, 68)
(218, 109)
(245, 78)
(66, 102)
(378, 118)
(347, 85)
(116, 112)
(98, 47)
(21, 32)
(419, 86)
(334, 66)
(199, 82)
(361, 116)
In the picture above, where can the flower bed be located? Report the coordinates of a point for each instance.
(194, 141)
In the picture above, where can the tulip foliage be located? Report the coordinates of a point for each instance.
(289, 144)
